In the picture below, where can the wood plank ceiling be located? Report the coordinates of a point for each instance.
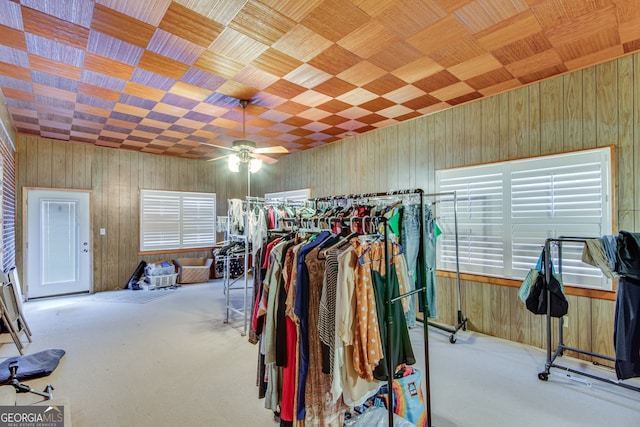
(164, 77)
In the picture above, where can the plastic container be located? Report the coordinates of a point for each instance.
(164, 281)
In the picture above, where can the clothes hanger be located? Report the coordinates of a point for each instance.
(322, 254)
(362, 259)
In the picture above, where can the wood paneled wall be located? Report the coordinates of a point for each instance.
(595, 107)
(115, 178)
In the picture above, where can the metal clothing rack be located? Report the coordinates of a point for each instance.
(561, 347)
(249, 203)
(244, 311)
(461, 318)
(229, 283)
(389, 300)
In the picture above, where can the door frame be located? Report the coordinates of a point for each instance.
(25, 227)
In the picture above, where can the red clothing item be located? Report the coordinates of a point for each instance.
(271, 219)
(289, 373)
(267, 252)
(256, 308)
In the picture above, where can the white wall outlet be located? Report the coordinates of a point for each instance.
(565, 321)
(103, 231)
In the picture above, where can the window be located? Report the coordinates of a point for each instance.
(176, 220)
(302, 194)
(506, 211)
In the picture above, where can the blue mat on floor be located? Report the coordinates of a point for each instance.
(34, 365)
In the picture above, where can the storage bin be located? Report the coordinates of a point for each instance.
(164, 281)
(159, 268)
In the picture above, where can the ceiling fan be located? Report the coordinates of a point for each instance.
(245, 151)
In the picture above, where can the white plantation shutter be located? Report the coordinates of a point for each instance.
(565, 195)
(198, 221)
(550, 196)
(160, 220)
(480, 221)
(176, 220)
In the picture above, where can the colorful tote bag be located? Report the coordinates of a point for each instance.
(408, 399)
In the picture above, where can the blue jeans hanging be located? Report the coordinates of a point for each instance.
(410, 241)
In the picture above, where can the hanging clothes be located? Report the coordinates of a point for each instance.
(410, 241)
(236, 213)
(327, 309)
(385, 285)
(401, 350)
(320, 411)
(345, 379)
(262, 294)
(628, 254)
(367, 345)
(404, 283)
(424, 275)
(272, 284)
(325, 313)
(273, 371)
(288, 409)
(594, 253)
(256, 229)
(626, 334)
(301, 310)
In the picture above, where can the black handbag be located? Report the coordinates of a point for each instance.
(537, 300)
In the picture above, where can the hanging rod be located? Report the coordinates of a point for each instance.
(364, 195)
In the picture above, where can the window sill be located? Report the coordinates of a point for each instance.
(174, 251)
(568, 290)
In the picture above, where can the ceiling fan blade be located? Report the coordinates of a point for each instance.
(266, 159)
(218, 146)
(272, 150)
(218, 158)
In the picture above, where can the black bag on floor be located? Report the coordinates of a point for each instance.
(537, 300)
(135, 277)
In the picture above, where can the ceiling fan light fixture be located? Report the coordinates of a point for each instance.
(245, 150)
(244, 144)
(234, 163)
(255, 165)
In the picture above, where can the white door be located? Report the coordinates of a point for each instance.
(58, 243)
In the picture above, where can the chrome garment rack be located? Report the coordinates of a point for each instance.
(229, 284)
(246, 285)
(461, 318)
(561, 347)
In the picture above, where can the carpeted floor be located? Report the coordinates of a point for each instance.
(175, 362)
(136, 297)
